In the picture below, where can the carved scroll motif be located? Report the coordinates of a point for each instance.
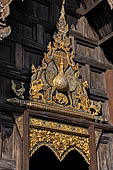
(57, 82)
(4, 12)
(58, 126)
(56, 87)
(61, 144)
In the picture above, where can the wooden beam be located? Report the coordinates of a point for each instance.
(90, 42)
(98, 95)
(19, 151)
(10, 72)
(109, 84)
(93, 154)
(11, 108)
(26, 142)
(106, 38)
(1, 141)
(69, 120)
(92, 7)
(93, 63)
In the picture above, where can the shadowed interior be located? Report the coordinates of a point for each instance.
(45, 158)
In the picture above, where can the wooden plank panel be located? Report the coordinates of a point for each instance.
(18, 151)
(7, 143)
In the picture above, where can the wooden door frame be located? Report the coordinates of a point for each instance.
(27, 113)
(66, 119)
(26, 141)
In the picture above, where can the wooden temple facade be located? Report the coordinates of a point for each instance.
(56, 82)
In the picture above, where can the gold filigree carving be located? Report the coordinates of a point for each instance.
(55, 108)
(54, 135)
(60, 75)
(61, 144)
(57, 126)
(4, 12)
(57, 84)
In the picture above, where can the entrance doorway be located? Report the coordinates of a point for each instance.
(45, 158)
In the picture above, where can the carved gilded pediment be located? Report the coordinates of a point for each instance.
(60, 138)
(57, 83)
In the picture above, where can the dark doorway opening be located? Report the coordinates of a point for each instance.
(45, 158)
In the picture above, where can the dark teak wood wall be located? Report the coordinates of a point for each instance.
(33, 23)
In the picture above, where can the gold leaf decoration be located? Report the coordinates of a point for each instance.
(57, 81)
(35, 122)
(60, 74)
(61, 144)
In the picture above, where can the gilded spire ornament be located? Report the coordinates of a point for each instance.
(57, 82)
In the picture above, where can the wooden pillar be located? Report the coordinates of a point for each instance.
(93, 154)
(1, 141)
(109, 83)
(26, 142)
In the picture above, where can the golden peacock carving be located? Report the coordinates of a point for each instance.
(57, 81)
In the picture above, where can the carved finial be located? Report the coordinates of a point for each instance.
(63, 10)
(63, 2)
(62, 26)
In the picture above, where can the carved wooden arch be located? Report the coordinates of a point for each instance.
(57, 154)
(60, 138)
(61, 143)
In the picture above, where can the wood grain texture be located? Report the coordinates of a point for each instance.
(33, 24)
(93, 154)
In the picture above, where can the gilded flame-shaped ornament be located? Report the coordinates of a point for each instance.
(58, 80)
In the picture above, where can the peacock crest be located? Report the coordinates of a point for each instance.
(58, 80)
